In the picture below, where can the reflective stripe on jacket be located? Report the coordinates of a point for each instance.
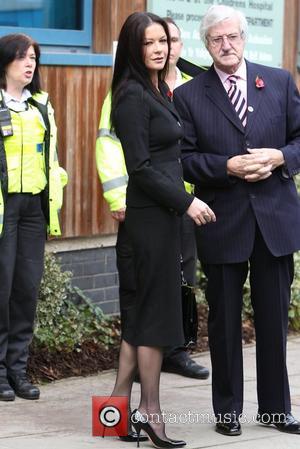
(110, 161)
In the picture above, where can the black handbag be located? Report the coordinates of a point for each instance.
(189, 313)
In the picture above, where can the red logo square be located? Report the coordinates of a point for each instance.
(110, 416)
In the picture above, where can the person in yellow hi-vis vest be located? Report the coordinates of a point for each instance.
(113, 176)
(30, 200)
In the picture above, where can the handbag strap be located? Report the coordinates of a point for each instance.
(183, 280)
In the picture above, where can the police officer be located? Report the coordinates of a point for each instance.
(30, 199)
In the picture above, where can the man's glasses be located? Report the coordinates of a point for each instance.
(217, 41)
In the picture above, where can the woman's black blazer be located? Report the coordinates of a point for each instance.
(150, 130)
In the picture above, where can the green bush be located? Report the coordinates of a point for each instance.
(294, 311)
(66, 318)
(63, 324)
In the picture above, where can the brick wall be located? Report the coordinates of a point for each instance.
(95, 273)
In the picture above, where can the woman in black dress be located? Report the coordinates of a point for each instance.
(149, 128)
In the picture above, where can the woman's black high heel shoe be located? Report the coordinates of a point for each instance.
(133, 437)
(140, 423)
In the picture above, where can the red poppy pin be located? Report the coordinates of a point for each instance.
(259, 82)
(170, 95)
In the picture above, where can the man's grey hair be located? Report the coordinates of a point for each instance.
(218, 13)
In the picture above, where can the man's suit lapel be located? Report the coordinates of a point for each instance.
(254, 96)
(218, 95)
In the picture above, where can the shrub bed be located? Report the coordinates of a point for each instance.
(74, 338)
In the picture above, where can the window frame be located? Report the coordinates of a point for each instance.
(59, 37)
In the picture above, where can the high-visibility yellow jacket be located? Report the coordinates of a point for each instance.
(29, 162)
(110, 159)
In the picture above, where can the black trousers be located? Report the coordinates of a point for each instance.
(270, 279)
(125, 265)
(21, 268)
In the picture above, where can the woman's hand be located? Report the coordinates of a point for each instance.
(200, 212)
(119, 215)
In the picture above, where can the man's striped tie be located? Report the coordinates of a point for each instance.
(237, 99)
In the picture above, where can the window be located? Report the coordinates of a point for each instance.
(50, 22)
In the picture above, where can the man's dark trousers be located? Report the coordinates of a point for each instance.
(270, 279)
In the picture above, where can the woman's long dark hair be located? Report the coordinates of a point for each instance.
(129, 62)
(15, 46)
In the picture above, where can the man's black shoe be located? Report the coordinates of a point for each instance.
(231, 428)
(22, 387)
(184, 366)
(6, 392)
(285, 422)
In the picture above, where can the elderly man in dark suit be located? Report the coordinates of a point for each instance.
(241, 150)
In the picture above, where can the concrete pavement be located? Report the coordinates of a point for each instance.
(61, 419)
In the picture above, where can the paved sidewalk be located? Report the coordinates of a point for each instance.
(61, 419)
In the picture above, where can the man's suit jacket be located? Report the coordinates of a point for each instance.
(214, 133)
